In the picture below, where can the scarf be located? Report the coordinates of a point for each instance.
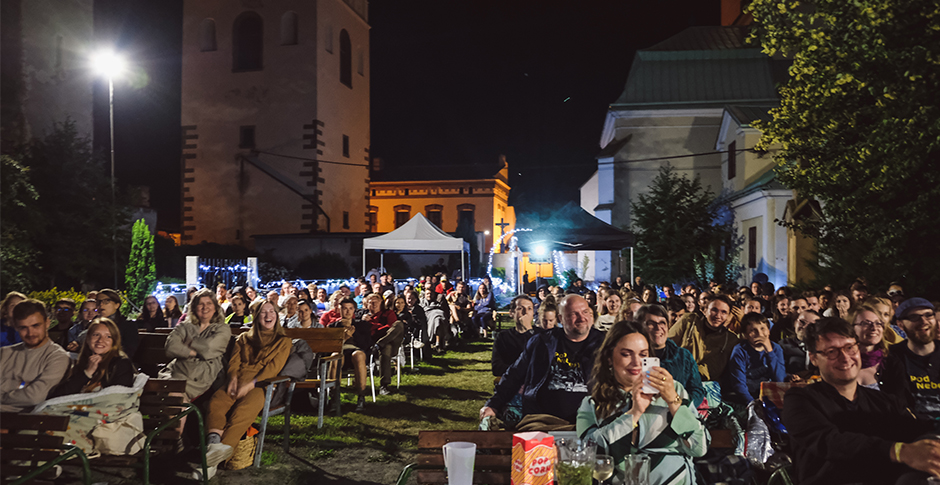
(873, 358)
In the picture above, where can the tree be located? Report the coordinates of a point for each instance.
(141, 273)
(17, 203)
(72, 226)
(858, 129)
(683, 233)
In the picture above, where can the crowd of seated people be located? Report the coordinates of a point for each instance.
(737, 339)
(572, 359)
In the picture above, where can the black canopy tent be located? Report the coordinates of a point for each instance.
(571, 228)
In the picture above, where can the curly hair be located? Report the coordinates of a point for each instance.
(217, 317)
(605, 390)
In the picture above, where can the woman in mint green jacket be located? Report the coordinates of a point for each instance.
(624, 420)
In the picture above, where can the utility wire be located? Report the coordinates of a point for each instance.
(312, 159)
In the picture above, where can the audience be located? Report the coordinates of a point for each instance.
(387, 333)
(707, 337)
(554, 368)
(101, 363)
(510, 344)
(622, 418)
(841, 432)
(678, 361)
(753, 361)
(795, 351)
(109, 306)
(151, 315)
(29, 370)
(197, 345)
(912, 370)
(8, 333)
(259, 354)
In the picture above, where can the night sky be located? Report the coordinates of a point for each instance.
(453, 82)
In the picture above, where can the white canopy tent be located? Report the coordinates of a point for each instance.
(416, 236)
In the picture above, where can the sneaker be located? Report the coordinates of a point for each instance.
(360, 404)
(217, 453)
(384, 391)
(197, 473)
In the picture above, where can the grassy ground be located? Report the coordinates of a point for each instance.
(442, 393)
(370, 447)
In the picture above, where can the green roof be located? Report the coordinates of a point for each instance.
(745, 115)
(701, 67)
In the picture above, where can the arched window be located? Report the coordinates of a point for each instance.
(247, 42)
(345, 58)
(207, 35)
(289, 28)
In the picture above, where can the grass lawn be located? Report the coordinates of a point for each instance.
(442, 393)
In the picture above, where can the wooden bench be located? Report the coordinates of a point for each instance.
(162, 406)
(492, 465)
(26, 441)
(325, 342)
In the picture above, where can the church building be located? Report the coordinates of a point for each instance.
(275, 118)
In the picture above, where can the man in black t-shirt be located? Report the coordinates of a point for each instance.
(555, 366)
(912, 369)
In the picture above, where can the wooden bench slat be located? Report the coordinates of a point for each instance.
(439, 476)
(502, 463)
(483, 439)
(162, 399)
(8, 441)
(165, 385)
(16, 421)
(28, 455)
(156, 410)
(19, 470)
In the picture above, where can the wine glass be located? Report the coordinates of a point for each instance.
(603, 468)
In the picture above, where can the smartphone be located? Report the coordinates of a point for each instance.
(649, 363)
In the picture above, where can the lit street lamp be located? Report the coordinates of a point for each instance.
(109, 64)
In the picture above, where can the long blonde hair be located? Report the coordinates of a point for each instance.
(605, 390)
(101, 374)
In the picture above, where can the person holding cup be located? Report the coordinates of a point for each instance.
(619, 416)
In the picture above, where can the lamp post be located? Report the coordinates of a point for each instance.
(107, 63)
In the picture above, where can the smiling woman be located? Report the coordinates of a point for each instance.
(101, 362)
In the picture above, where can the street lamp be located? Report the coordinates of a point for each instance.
(109, 64)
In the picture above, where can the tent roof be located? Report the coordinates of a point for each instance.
(571, 228)
(416, 236)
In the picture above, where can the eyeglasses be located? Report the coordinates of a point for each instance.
(850, 350)
(103, 300)
(870, 324)
(918, 317)
(63, 309)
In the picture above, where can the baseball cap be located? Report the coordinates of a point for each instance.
(911, 304)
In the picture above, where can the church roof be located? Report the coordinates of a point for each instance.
(476, 171)
(701, 67)
(767, 181)
(745, 115)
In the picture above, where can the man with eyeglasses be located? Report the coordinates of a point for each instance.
(842, 432)
(912, 369)
(555, 367)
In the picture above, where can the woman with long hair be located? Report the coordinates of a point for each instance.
(151, 316)
(842, 304)
(259, 354)
(869, 331)
(171, 311)
(101, 363)
(483, 307)
(622, 418)
(87, 312)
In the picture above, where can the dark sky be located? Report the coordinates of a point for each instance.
(453, 82)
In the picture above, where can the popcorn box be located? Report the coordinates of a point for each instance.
(533, 458)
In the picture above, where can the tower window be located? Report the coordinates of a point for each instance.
(207, 35)
(346, 146)
(247, 42)
(246, 137)
(732, 160)
(289, 28)
(345, 220)
(345, 58)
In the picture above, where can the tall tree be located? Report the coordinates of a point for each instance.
(18, 206)
(141, 273)
(683, 233)
(858, 129)
(75, 218)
